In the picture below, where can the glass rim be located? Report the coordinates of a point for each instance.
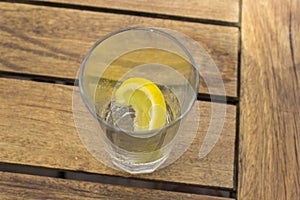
(146, 133)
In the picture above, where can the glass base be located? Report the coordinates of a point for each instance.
(138, 168)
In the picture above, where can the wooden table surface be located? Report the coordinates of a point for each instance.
(256, 47)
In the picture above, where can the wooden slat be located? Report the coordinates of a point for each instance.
(53, 41)
(37, 128)
(20, 186)
(227, 10)
(270, 101)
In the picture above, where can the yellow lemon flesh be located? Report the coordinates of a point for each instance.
(147, 101)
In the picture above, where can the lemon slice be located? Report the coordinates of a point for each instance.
(147, 101)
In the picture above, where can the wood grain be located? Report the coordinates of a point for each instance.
(269, 163)
(53, 41)
(20, 186)
(227, 10)
(37, 128)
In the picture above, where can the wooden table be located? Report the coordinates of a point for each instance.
(256, 46)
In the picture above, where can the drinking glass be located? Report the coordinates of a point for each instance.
(139, 52)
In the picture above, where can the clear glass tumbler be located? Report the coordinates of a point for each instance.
(138, 52)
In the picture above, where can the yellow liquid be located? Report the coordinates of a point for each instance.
(152, 146)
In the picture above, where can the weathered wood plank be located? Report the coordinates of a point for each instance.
(53, 41)
(21, 186)
(37, 128)
(269, 163)
(227, 10)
